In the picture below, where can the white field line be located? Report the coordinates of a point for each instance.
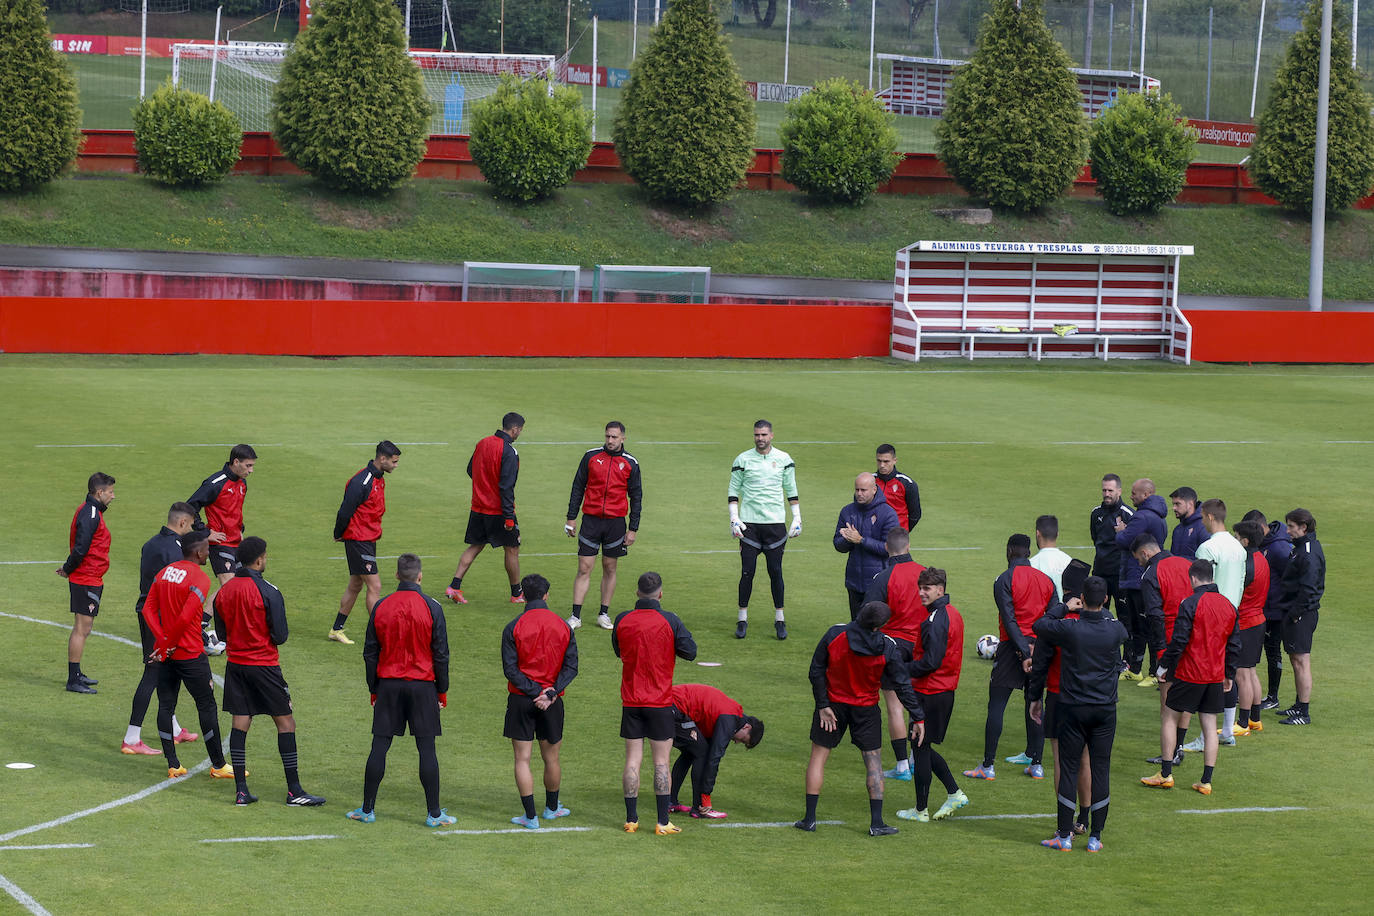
(273, 839)
(752, 824)
(94, 445)
(1228, 441)
(232, 444)
(423, 556)
(1256, 810)
(1002, 817)
(24, 900)
(64, 626)
(1350, 441)
(31, 562)
(53, 846)
(396, 443)
(1100, 442)
(514, 830)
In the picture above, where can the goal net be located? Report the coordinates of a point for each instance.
(492, 281)
(641, 283)
(243, 76)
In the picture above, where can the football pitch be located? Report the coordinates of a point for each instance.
(992, 445)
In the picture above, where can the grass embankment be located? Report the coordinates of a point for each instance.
(1242, 251)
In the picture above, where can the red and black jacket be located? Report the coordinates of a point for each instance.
(902, 495)
(939, 655)
(89, 545)
(494, 467)
(364, 504)
(1021, 594)
(716, 716)
(896, 587)
(648, 641)
(1253, 599)
(607, 485)
(250, 614)
(1088, 645)
(158, 551)
(538, 652)
(1163, 586)
(848, 666)
(221, 496)
(1206, 643)
(407, 639)
(174, 607)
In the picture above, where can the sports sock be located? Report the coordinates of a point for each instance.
(133, 734)
(577, 611)
(176, 726)
(811, 801)
(73, 669)
(778, 614)
(1180, 734)
(663, 801)
(515, 590)
(899, 749)
(1166, 768)
(286, 746)
(605, 609)
(1228, 721)
(528, 802)
(340, 620)
(1242, 717)
(456, 582)
(1207, 773)
(238, 756)
(1255, 713)
(744, 613)
(875, 812)
(551, 799)
(631, 809)
(1302, 708)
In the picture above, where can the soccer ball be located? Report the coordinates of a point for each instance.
(987, 646)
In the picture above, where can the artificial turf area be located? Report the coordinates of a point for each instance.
(992, 446)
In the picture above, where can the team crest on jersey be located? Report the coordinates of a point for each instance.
(91, 607)
(873, 519)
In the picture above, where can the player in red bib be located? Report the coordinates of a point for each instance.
(708, 722)
(87, 562)
(494, 468)
(897, 587)
(1252, 600)
(222, 495)
(359, 526)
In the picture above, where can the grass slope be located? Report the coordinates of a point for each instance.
(986, 445)
(1244, 251)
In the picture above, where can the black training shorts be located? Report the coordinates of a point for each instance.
(525, 722)
(490, 530)
(1006, 667)
(362, 557)
(1297, 633)
(864, 724)
(1186, 697)
(85, 598)
(652, 722)
(1251, 646)
(1049, 718)
(255, 690)
(401, 703)
(939, 707)
(606, 535)
(223, 559)
(758, 536)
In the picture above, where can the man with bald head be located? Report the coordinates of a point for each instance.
(861, 532)
(1150, 512)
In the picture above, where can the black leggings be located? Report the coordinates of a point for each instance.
(992, 731)
(928, 761)
(1093, 727)
(376, 769)
(693, 759)
(1134, 648)
(748, 562)
(1273, 653)
(195, 674)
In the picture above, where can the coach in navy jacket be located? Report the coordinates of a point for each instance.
(1149, 517)
(861, 532)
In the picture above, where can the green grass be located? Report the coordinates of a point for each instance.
(148, 852)
(1250, 251)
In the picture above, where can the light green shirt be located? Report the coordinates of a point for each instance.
(1225, 551)
(1052, 562)
(763, 484)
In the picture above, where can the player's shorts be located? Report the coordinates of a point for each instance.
(864, 724)
(401, 703)
(490, 530)
(362, 557)
(1049, 718)
(904, 648)
(758, 536)
(1297, 633)
(256, 690)
(1251, 646)
(1006, 667)
(1186, 697)
(652, 722)
(604, 534)
(939, 707)
(85, 598)
(525, 722)
(223, 560)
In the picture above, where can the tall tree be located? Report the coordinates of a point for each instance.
(40, 124)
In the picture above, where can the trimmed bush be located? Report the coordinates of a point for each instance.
(350, 108)
(838, 142)
(528, 142)
(1283, 155)
(183, 138)
(685, 128)
(1140, 153)
(1013, 133)
(40, 125)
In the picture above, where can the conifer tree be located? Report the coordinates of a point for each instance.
(40, 124)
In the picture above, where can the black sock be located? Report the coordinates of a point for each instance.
(73, 669)
(515, 590)
(1166, 768)
(1179, 734)
(875, 812)
(528, 802)
(1302, 708)
(340, 620)
(899, 748)
(1207, 773)
(1243, 717)
(286, 746)
(577, 611)
(1082, 816)
(456, 582)
(663, 801)
(238, 756)
(551, 799)
(631, 810)
(811, 808)
(1255, 713)
(606, 609)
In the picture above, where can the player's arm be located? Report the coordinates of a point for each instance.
(1309, 584)
(371, 648)
(569, 669)
(510, 470)
(789, 487)
(510, 664)
(153, 618)
(217, 616)
(934, 638)
(615, 633)
(187, 615)
(1183, 631)
(842, 544)
(438, 645)
(1154, 605)
(579, 488)
(355, 493)
(726, 726)
(208, 492)
(86, 526)
(1233, 649)
(913, 502)
(877, 589)
(896, 671)
(275, 606)
(1006, 610)
(1047, 630)
(683, 643)
(737, 527)
(877, 545)
(634, 488)
(820, 663)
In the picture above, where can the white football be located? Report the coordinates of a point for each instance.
(987, 646)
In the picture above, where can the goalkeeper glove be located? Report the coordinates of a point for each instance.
(737, 527)
(796, 521)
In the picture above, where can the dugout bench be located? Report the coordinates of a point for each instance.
(1036, 300)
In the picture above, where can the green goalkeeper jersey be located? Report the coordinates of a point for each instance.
(763, 484)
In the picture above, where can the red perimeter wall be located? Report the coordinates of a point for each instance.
(44, 324)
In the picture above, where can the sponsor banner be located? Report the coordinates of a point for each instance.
(1221, 133)
(616, 77)
(80, 44)
(1053, 248)
(776, 92)
(581, 75)
(128, 45)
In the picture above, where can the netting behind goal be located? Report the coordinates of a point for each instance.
(651, 284)
(491, 281)
(243, 76)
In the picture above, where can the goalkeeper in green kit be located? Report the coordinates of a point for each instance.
(761, 480)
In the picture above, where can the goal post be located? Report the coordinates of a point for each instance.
(496, 281)
(644, 283)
